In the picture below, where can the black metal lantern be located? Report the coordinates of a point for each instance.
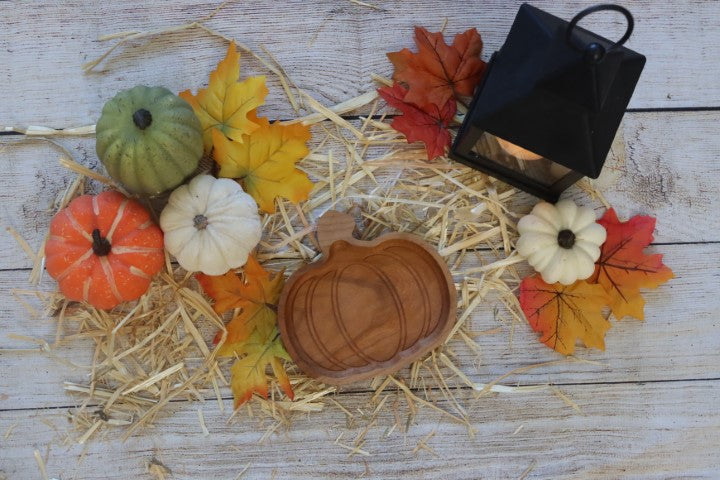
(550, 103)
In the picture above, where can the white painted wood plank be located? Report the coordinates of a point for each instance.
(669, 170)
(328, 47)
(634, 431)
(629, 431)
(678, 341)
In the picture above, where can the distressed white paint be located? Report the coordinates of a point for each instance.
(631, 429)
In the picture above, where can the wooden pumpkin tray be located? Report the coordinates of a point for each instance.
(365, 308)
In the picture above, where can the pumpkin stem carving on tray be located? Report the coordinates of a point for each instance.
(356, 308)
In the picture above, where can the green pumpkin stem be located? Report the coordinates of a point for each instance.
(100, 245)
(142, 118)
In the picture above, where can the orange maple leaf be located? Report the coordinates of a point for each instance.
(439, 71)
(252, 333)
(254, 291)
(623, 268)
(265, 161)
(227, 104)
(563, 314)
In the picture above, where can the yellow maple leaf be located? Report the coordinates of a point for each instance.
(226, 103)
(265, 162)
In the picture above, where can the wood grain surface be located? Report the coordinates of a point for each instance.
(639, 431)
(646, 408)
(365, 309)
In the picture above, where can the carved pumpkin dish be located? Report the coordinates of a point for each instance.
(366, 308)
(104, 249)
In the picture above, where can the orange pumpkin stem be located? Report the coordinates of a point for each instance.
(100, 245)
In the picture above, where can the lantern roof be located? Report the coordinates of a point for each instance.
(557, 90)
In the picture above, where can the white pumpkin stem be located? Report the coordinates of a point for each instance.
(566, 238)
(200, 222)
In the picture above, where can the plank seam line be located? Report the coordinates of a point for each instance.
(672, 109)
(378, 116)
(484, 249)
(414, 390)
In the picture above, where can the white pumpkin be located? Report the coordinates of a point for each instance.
(561, 241)
(211, 225)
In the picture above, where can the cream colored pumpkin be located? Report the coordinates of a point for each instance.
(211, 225)
(561, 241)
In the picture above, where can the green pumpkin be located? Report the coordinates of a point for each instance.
(149, 139)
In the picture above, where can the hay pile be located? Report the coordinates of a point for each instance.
(158, 349)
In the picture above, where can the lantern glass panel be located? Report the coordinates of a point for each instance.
(513, 157)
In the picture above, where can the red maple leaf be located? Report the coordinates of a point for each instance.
(623, 268)
(439, 72)
(428, 123)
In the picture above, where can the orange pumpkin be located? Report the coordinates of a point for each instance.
(104, 249)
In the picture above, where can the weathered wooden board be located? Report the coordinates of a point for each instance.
(645, 431)
(676, 342)
(666, 428)
(329, 48)
(668, 174)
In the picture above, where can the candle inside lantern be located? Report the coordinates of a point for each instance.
(517, 151)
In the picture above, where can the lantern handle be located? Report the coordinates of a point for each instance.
(597, 8)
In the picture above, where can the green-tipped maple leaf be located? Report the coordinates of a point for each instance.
(249, 372)
(252, 333)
